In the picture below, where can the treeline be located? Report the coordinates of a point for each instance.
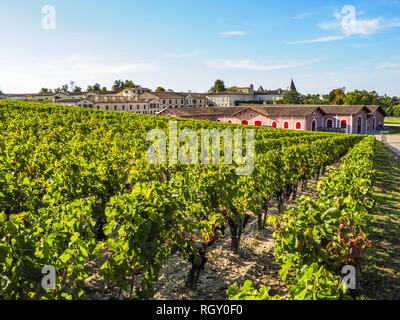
(117, 86)
(339, 96)
(72, 87)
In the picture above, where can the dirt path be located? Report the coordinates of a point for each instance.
(380, 278)
(255, 261)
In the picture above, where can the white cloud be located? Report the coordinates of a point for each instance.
(394, 23)
(233, 33)
(323, 39)
(358, 26)
(82, 69)
(388, 65)
(363, 27)
(247, 64)
(348, 24)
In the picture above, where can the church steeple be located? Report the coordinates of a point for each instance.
(292, 87)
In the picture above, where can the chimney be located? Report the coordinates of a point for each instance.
(251, 89)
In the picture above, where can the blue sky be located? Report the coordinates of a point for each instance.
(188, 44)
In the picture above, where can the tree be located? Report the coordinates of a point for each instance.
(45, 90)
(336, 96)
(129, 84)
(95, 87)
(104, 89)
(72, 85)
(291, 97)
(219, 86)
(232, 89)
(160, 89)
(314, 99)
(77, 89)
(170, 90)
(64, 88)
(120, 85)
(363, 97)
(396, 111)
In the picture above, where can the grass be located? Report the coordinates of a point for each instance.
(392, 121)
(380, 276)
(396, 131)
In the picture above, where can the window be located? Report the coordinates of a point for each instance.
(343, 124)
(275, 124)
(229, 121)
(329, 123)
(298, 125)
(245, 122)
(258, 123)
(286, 125)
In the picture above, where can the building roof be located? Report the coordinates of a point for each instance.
(292, 87)
(48, 94)
(167, 95)
(115, 99)
(270, 92)
(104, 92)
(204, 111)
(67, 100)
(77, 93)
(343, 109)
(20, 94)
(230, 93)
(194, 95)
(284, 110)
(374, 108)
(271, 111)
(136, 89)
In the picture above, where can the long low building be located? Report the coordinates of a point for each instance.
(136, 100)
(120, 103)
(346, 119)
